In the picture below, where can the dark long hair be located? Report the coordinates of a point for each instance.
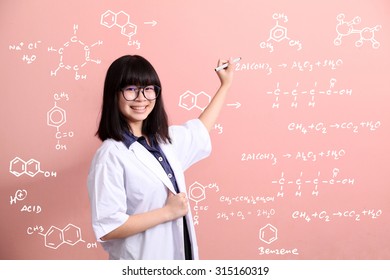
(131, 70)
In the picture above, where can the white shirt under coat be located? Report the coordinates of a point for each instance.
(124, 181)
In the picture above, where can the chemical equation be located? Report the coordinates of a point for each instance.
(305, 156)
(295, 65)
(323, 128)
(309, 66)
(325, 216)
(244, 214)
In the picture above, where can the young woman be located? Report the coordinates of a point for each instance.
(136, 181)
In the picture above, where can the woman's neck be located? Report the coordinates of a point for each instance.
(136, 129)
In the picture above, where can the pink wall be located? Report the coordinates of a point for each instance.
(300, 166)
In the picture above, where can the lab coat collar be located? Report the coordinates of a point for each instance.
(146, 158)
(128, 138)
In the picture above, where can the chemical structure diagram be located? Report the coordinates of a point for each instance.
(346, 28)
(277, 92)
(121, 20)
(278, 33)
(86, 49)
(32, 167)
(197, 193)
(56, 117)
(189, 100)
(268, 234)
(301, 182)
(55, 237)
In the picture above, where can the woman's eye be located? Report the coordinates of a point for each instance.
(131, 89)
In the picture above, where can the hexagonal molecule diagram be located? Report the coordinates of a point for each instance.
(197, 192)
(278, 33)
(268, 234)
(55, 237)
(32, 167)
(19, 167)
(76, 66)
(190, 100)
(121, 20)
(56, 116)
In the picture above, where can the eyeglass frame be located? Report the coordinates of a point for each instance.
(157, 90)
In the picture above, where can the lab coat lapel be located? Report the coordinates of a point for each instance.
(175, 164)
(179, 175)
(152, 164)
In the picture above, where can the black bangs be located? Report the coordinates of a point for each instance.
(138, 71)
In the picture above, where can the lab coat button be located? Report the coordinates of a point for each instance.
(169, 175)
(160, 159)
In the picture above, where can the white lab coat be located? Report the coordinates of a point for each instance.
(122, 182)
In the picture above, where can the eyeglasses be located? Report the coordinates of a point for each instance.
(131, 93)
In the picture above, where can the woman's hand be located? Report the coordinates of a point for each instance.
(211, 112)
(176, 205)
(226, 75)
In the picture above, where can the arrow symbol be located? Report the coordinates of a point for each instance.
(153, 23)
(237, 105)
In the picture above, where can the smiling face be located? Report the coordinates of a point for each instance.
(132, 100)
(136, 111)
